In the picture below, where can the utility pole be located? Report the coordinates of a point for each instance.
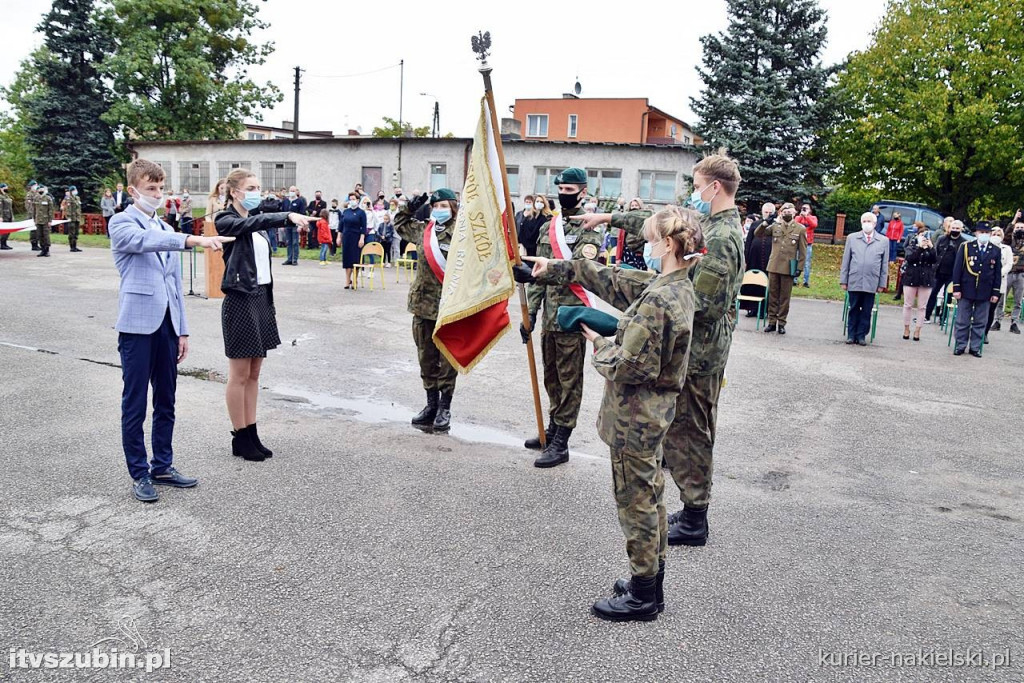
(295, 123)
(437, 119)
(401, 93)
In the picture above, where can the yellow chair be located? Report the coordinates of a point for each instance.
(755, 278)
(407, 263)
(371, 257)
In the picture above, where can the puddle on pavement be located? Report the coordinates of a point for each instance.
(379, 412)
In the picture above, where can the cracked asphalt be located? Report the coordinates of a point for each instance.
(867, 501)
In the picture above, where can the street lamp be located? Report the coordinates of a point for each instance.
(435, 129)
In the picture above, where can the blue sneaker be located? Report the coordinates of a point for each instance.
(173, 477)
(144, 490)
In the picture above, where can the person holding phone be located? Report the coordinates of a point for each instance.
(917, 279)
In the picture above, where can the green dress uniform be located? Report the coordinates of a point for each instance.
(789, 243)
(73, 214)
(6, 214)
(42, 215)
(645, 370)
(437, 373)
(689, 445)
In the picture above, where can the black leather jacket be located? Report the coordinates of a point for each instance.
(239, 257)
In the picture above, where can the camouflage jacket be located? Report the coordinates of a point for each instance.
(645, 366)
(716, 282)
(73, 211)
(425, 293)
(42, 209)
(585, 244)
(6, 208)
(28, 203)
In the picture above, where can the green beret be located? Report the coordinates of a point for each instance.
(3, 186)
(571, 176)
(31, 183)
(570, 317)
(441, 195)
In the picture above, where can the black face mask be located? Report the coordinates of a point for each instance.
(569, 202)
(954, 233)
(398, 194)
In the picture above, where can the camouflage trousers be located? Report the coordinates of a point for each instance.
(690, 440)
(563, 355)
(72, 232)
(435, 370)
(43, 235)
(640, 499)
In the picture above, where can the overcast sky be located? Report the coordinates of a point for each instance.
(536, 52)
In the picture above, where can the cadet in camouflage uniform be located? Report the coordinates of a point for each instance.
(73, 213)
(42, 214)
(562, 353)
(789, 243)
(30, 196)
(645, 370)
(437, 373)
(689, 447)
(6, 214)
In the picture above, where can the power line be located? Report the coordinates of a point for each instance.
(364, 73)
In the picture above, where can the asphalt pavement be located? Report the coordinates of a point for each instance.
(866, 525)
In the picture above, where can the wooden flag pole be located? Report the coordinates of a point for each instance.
(481, 46)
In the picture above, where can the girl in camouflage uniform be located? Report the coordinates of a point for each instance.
(645, 369)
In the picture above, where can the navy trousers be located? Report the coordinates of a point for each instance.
(148, 359)
(291, 238)
(971, 321)
(858, 318)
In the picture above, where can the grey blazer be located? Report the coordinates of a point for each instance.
(865, 266)
(150, 273)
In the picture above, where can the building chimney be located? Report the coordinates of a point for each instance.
(511, 129)
(288, 125)
(353, 132)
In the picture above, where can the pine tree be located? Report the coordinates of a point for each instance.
(71, 143)
(765, 96)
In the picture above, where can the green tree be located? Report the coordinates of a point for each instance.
(932, 107)
(178, 68)
(390, 129)
(70, 143)
(765, 95)
(15, 154)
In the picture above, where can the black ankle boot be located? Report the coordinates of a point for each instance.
(254, 435)
(557, 450)
(35, 246)
(425, 418)
(443, 419)
(636, 604)
(688, 527)
(621, 587)
(243, 447)
(534, 443)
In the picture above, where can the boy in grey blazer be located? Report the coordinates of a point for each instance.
(151, 325)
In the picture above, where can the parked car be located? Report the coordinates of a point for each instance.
(912, 211)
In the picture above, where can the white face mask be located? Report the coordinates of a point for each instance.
(996, 240)
(147, 203)
(867, 227)
(540, 206)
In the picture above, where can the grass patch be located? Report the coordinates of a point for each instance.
(826, 262)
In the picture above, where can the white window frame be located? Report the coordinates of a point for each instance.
(519, 179)
(647, 194)
(595, 183)
(272, 171)
(573, 128)
(430, 174)
(549, 187)
(538, 117)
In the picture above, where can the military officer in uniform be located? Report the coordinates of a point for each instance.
(42, 215)
(562, 353)
(433, 239)
(30, 196)
(689, 445)
(6, 214)
(977, 277)
(789, 249)
(645, 371)
(73, 214)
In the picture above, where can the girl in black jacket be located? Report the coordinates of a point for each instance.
(918, 279)
(248, 318)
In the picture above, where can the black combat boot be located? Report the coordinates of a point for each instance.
(637, 604)
(443, 419)
(44, 251)
(557, 450)
(35, 245)
(689, 526)
(621, 587)
(425, 419)
(3, 243)
(534, 443)
(243, 447)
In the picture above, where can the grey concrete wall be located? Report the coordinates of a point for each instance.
(334, 166)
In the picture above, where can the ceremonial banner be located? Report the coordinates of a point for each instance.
(9, 228)
(473, 312)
